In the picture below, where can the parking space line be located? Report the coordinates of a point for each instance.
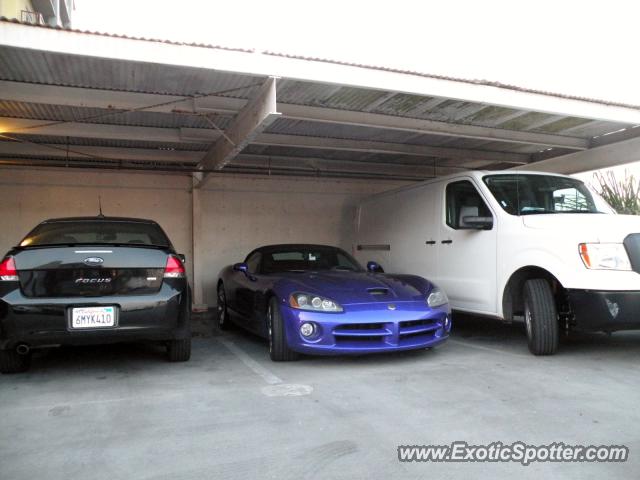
(83, 403)
(254, 366)
(487, 349)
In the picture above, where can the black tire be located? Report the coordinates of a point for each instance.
(279, 351)
(223, 315)
(12, 362)
(179, 350)
(541, 317)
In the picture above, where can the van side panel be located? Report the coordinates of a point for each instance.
(393, 229)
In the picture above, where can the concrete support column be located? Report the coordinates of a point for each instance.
(197, 249)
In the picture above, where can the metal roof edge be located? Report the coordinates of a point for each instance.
(479, 82)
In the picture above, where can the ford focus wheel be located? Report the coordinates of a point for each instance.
(179, 350)
(12, 362)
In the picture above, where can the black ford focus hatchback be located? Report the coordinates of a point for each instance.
(92, 280)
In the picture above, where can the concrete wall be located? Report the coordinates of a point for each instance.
(234, 214)
(29, 196)
(242, 213)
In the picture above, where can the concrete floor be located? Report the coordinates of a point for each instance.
(122, 412)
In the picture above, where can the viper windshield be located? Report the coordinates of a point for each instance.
(520, 194)
(304, 259)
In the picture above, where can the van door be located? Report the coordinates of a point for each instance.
(467, 249)
(400, 231)
(418, 250)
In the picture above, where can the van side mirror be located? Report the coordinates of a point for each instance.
(478, 223)
(241, 267)
(374, 267)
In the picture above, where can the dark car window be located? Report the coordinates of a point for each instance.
(307, 259)
(100, 232)
(253, 262)
(284, 256)
(463, 200)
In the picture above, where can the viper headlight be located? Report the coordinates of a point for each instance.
(314, 303)
(437, 298)
(605, 256)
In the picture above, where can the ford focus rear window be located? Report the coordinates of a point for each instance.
(96, 232)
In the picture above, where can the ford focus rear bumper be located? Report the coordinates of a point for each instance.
(39, 322)
(605, 310)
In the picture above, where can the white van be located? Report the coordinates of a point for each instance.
(512, 245)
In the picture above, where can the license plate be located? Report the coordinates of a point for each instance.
(93, 317)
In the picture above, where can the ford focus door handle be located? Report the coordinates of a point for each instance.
(447, 241)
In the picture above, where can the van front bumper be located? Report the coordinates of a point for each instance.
(597, 310)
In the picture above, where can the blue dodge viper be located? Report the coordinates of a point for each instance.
(317, 299)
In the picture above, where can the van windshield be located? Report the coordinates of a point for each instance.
(521, 194)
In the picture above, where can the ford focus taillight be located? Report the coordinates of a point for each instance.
(174, 268)
(8, 272)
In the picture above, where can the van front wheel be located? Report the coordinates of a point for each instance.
(541, 317)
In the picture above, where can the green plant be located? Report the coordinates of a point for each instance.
(623, 195)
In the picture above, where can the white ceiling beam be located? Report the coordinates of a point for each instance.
(620, 135)
(150, 155)
(257, 115)
(606, 156)
(384, 147)
(106, 99)
(431, 127)
(263, 65)
(9, 125)
(323, 165)
(96, 98)
(141, 154)
(203, 135)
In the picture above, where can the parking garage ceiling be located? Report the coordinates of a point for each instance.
(80, 99)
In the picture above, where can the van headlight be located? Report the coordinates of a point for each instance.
(314, 303)
(437, 298)
(605, 256)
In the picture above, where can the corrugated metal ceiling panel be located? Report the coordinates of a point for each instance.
(99, 142)
(64, 113)
(353, 132)
(335, 154)
(429, 108)
(93, 72)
